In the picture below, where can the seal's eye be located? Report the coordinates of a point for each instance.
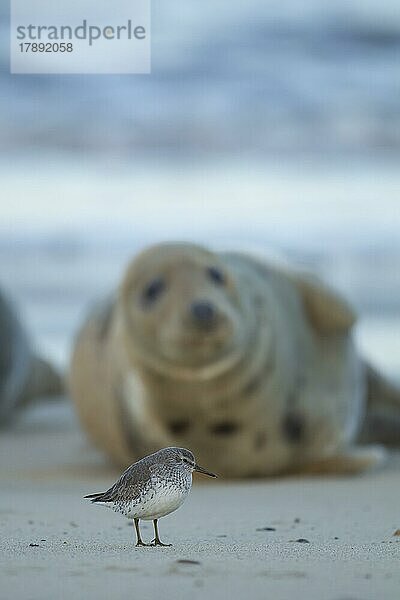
(216, 275)
(153, 291)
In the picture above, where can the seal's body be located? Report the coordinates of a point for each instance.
(251, 365)
(23, 375)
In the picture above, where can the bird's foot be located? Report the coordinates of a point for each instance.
(156, 542)
(140, 543)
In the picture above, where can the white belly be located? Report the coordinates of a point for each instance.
(157, 502)
(162, 503)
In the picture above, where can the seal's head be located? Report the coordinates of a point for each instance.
(182, 310)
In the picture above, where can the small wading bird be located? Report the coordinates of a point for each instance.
(151, 488)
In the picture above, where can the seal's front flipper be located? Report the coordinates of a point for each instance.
(326, 310)
(354, 460)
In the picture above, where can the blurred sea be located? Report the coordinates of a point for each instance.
(69, 231)
(272, 126)
(252, 78)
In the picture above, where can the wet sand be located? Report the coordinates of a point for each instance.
(231, 539)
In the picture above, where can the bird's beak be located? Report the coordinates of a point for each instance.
(201, 470)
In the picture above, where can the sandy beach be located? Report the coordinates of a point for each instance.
(316, 538)
(271, 128)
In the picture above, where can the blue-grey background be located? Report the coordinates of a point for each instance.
(273, 126)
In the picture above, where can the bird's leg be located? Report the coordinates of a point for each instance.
(139, 541)
(157, 541)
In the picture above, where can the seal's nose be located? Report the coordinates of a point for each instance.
(203, 312)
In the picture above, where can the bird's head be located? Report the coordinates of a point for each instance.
(185, 459)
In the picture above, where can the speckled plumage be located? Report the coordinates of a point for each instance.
(152, 487)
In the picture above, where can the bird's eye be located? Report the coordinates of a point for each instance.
(216, 275)
(153, 291)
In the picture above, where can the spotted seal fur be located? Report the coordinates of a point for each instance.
(250, 365)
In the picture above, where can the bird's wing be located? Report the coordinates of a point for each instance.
(129, 485)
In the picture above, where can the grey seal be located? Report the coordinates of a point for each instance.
(250, 364)
(24, 375)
